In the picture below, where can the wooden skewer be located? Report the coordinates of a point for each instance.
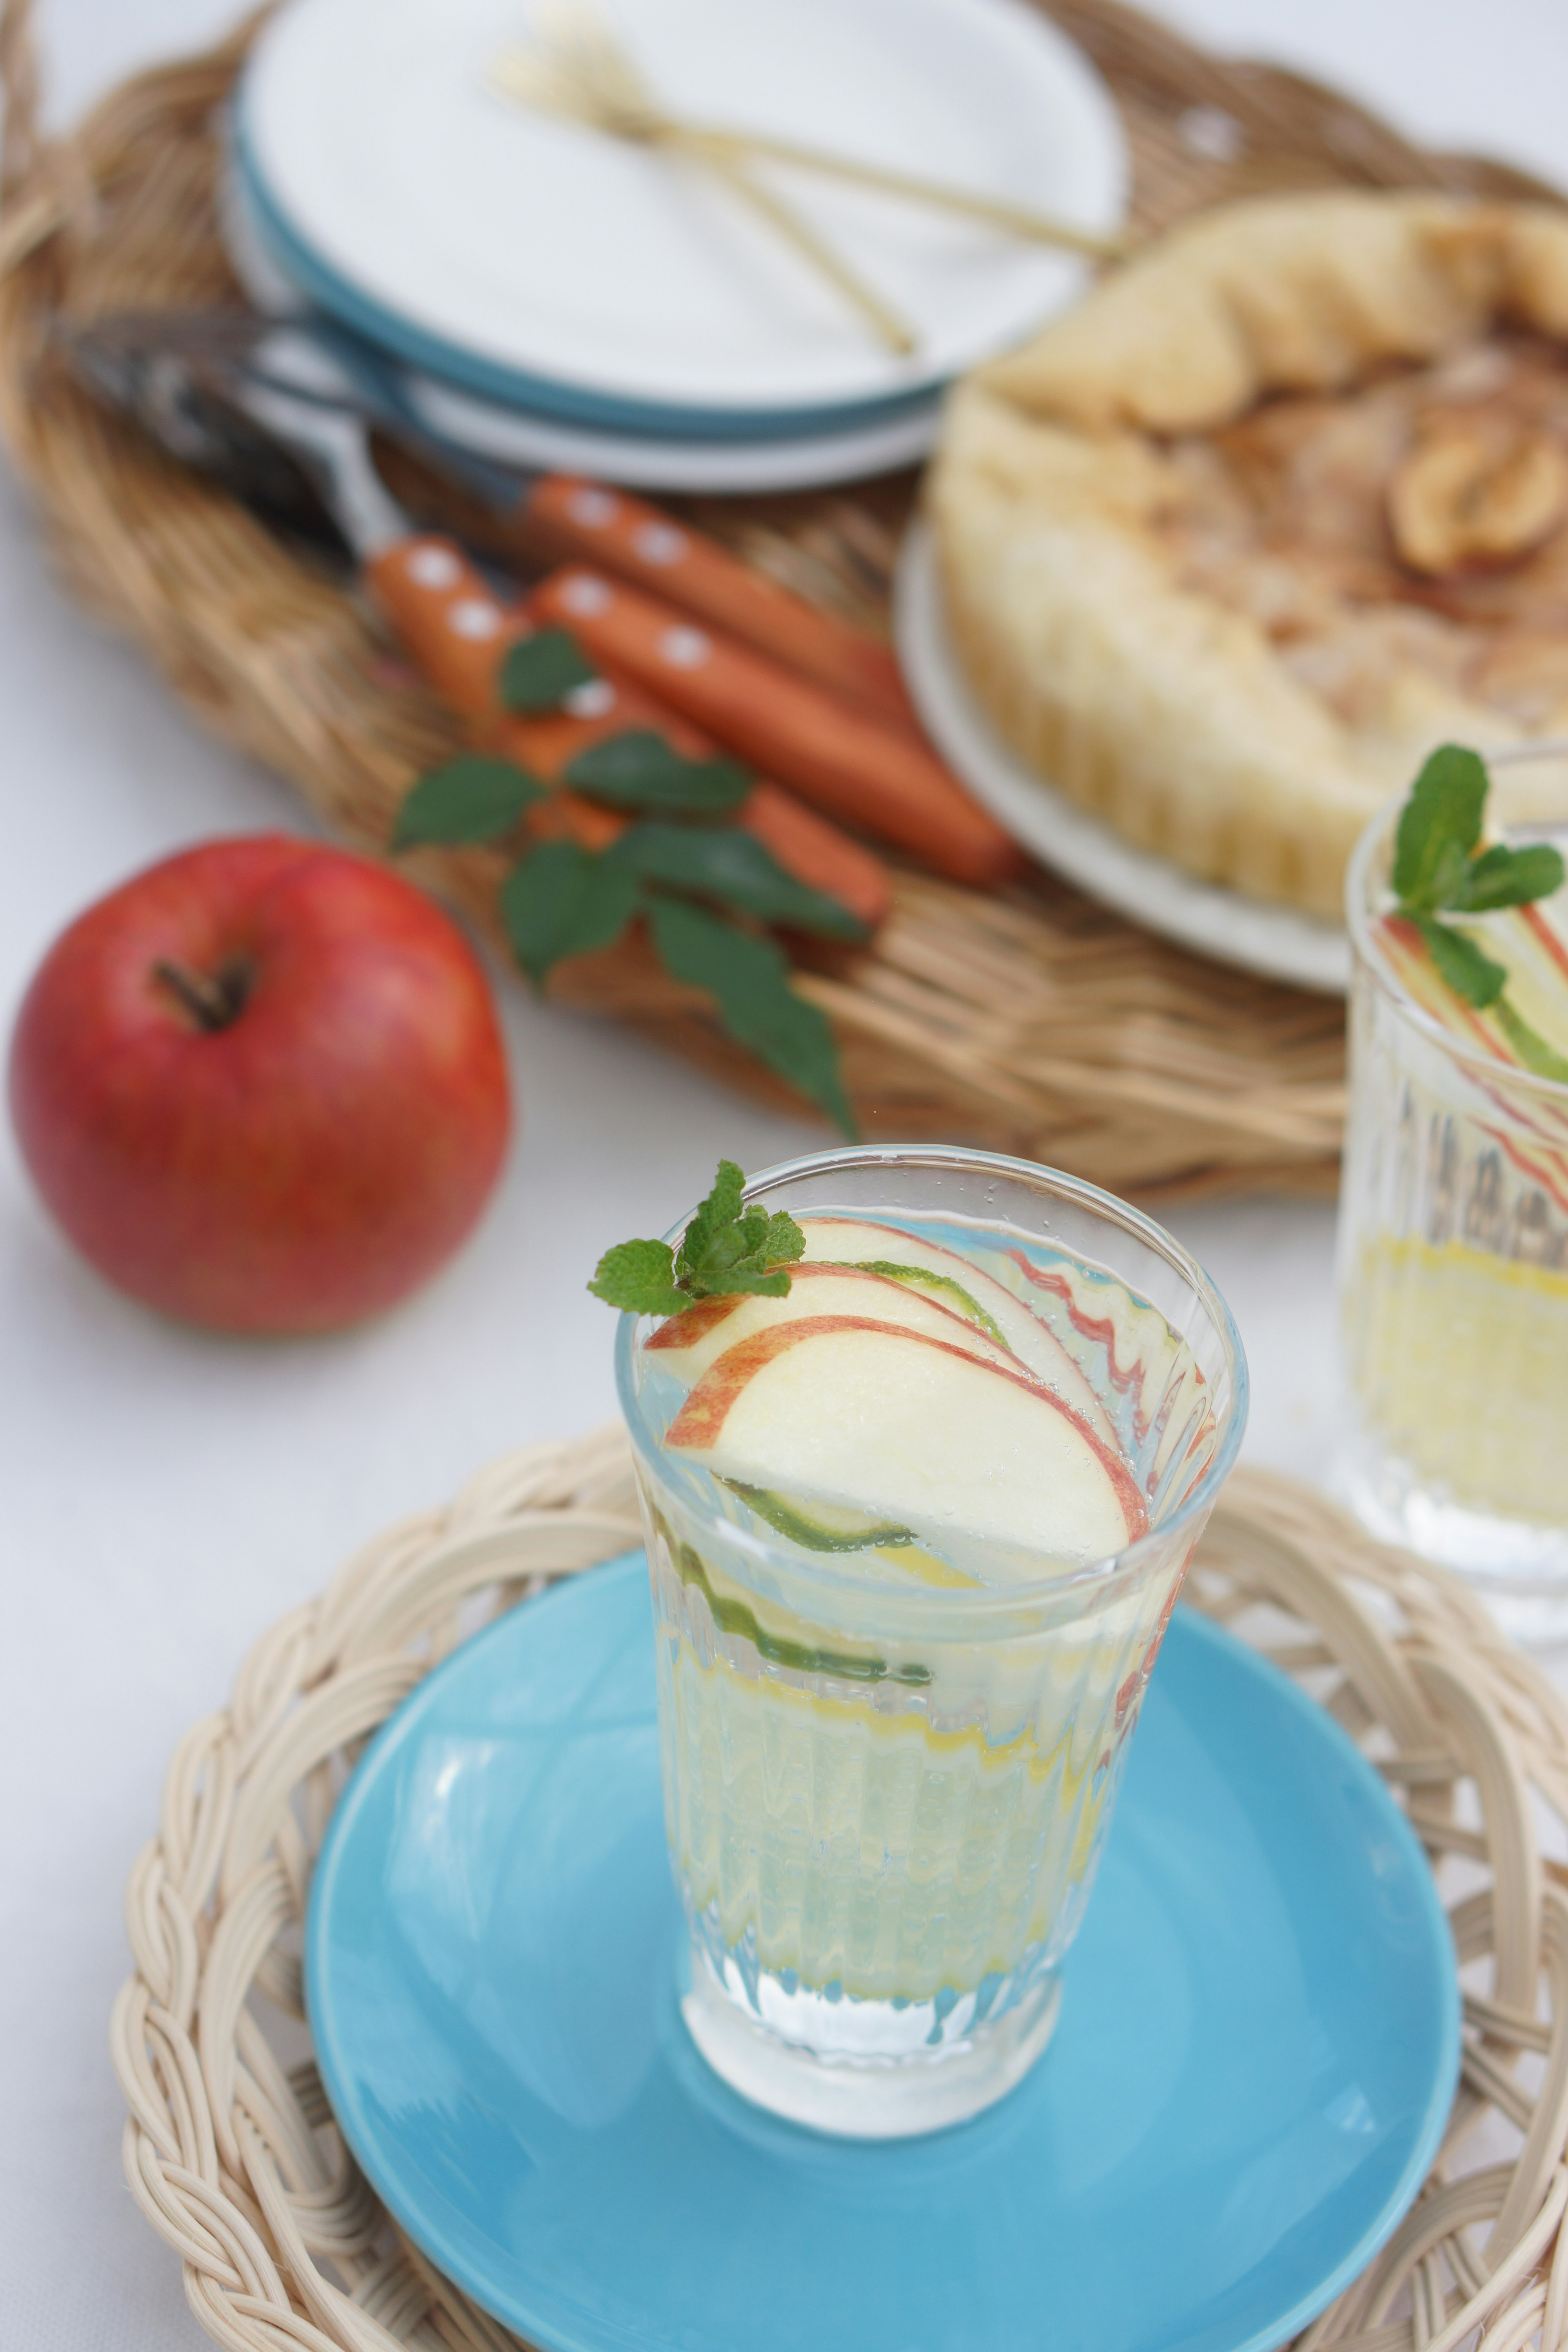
(1019, 220)
(883, 320)
(559, 86)
(594, 81)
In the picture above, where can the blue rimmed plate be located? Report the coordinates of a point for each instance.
(1257, 2049)
(534, 262)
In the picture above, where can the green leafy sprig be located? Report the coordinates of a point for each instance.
(1439, 870)
(704, 889)
(726, 1248)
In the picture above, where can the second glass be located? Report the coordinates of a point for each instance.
(1453, 1256)
(888, 1768)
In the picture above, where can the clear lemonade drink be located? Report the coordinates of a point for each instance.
(915, 1530)
(1454, 1221)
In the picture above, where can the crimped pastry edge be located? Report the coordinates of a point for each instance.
(1153, 706)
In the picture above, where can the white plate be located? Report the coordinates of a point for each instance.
(543, 263)
(1201, 915)
(638, 462)
(642, 463)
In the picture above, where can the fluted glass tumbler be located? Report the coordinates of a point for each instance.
(889, 1769)
(1453, 1260)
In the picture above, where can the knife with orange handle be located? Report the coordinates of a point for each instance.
(201, 382)
(583, 521)
(458, 632)
(319, 389)
(847, 764)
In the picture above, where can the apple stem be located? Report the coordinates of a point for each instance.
(211, 1004)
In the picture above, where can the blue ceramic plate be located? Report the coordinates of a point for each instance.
(1258, 2047)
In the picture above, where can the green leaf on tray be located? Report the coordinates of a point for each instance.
(1468, 973)
(735, 868)
(638, 1277)
(639, 771)
(563, 900)
(473, 798)
(1438, 827)
(725, 1250)
(1501, 876)
(539, 672)
(748, 979)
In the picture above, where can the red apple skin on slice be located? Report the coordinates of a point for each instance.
(846, 1240)
(690, 1343)
(842, 1409)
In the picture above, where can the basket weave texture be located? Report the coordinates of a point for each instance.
(235, 2159)
(1034, 1023)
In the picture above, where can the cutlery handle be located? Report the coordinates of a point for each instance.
(586, 523)
(848, 765)
(458, 630)
(448, 617)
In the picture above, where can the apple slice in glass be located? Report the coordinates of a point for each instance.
(687, 1344)
(913, 1431)
(957, 1283)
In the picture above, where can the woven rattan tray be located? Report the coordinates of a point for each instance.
(1037, 1022)
(233, 2156)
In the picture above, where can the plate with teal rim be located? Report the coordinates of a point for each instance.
(1258, 2044)
(646, 461)
(537, 262)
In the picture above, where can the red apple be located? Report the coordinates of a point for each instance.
(262, 1087)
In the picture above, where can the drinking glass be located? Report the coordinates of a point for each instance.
(886, 1797)
(1453, 1266)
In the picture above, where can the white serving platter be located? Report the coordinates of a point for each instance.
(1213, 921)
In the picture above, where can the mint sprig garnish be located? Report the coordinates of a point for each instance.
(1439, 870)
(539, 672)
(726, 1249)
(473, 798)
(703, 887)
(638, 770)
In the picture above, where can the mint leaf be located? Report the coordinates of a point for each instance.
(725, 1250)
(783, 1242)
(1533, 1049)
(1510, 877)
(735, 868)
(1468, 973)
(472, 798)
(1439, 826)
(640, 771)
(710, 1217)
(750, 1279)
(563, 900)
(748, 980)
(540, 671)
(638, 1278)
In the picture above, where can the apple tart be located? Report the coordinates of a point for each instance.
(1229, 547)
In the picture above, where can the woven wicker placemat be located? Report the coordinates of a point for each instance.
(233, 2156)
(1037, 1022)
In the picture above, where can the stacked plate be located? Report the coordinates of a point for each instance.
(565, 299)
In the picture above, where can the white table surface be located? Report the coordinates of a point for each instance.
(169, 1495)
